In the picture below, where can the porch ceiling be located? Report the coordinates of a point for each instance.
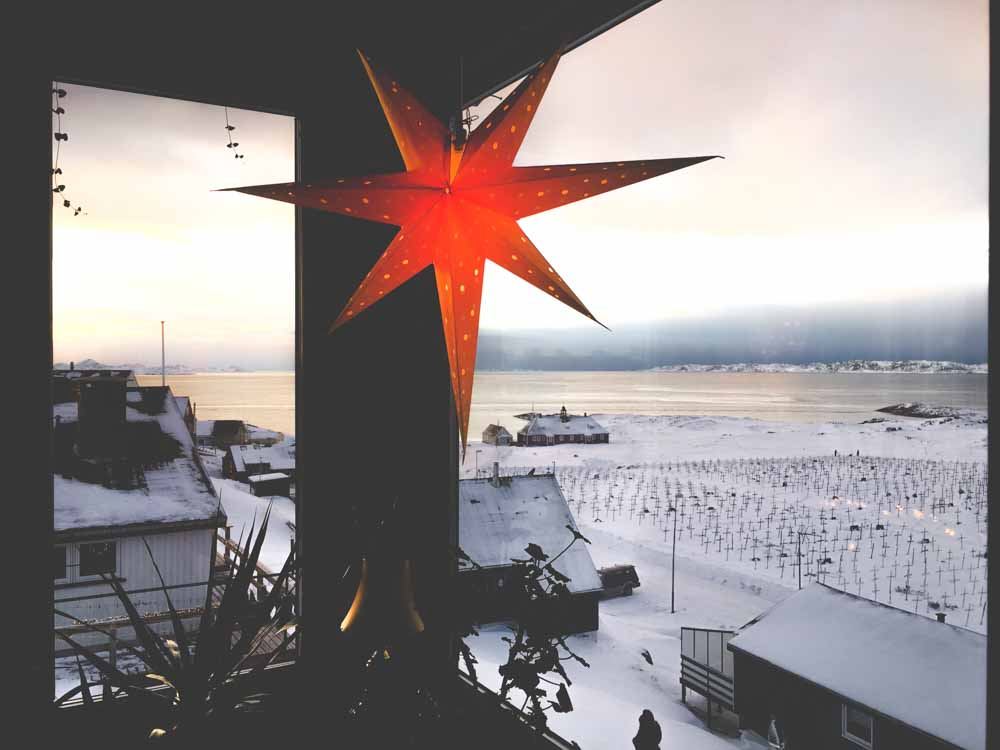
(281, 60)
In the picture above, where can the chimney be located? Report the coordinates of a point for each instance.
(101, 416)
(496, 473)
(71, 367)
(941, 616)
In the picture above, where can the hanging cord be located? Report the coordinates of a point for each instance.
(467, 117)
(457, 121)
(229, 131)
(60, 135)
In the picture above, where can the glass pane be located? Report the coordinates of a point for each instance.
(792, 395)
(97, 558)
(173, 336)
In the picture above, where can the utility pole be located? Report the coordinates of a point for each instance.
(163, 356)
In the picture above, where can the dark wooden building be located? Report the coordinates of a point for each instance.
(498, 517)
(66, 383)
(838, 671)
(227, 432)
(244, 461)
(556, 429)
(275, 483)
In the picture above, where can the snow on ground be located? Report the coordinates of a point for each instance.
(642, 439)
(770, 466)
(779, 489)
(67, 675)
(609, 696)
(245, 510)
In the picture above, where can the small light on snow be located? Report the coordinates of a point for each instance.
(851, 546)
(918, 513)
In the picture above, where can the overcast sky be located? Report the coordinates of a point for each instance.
(855, 137)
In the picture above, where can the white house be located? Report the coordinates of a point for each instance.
(127, 471)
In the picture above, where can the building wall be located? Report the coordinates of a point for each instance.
(810, 715)
(185, 559)
(272, 487)
(228, 467)
(560, 439)
(489, 595)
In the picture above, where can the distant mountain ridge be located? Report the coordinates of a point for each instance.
(142, 369)
(925, 366)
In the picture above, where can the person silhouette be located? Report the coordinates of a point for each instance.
(649, 735)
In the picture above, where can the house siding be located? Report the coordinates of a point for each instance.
(185, 561)
(810, 715)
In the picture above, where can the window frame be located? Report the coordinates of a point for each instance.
(113, 544)
(868, 744)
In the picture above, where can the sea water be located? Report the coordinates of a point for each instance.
(267, 399)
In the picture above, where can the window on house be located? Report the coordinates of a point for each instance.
(97, 558)
(858, 726)
(59, 563)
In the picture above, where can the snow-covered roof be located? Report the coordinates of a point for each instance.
(496, 523)
(176, 490)
(91, 372)
(496, 429)
(260, 433)
(552, 424)
(266, 477)
(277, 457)
(923, 673)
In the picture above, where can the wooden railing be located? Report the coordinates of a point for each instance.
(232, 554)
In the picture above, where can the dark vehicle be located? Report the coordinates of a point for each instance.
(618, 580)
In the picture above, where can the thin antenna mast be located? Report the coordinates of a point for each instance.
(163, 356)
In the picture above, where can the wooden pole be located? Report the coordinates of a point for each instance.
(163, 356)
(799, 553)
(673, 556)
(113, 647)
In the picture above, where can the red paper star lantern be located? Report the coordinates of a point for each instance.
(458, 207)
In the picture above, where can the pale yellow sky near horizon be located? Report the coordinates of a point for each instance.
(855, 138)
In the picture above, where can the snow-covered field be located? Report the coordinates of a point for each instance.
(921, 479)
(743, 488)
